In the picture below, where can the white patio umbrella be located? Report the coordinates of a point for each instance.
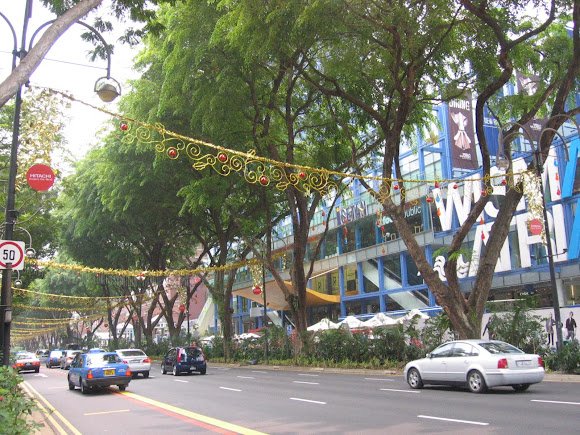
(413, 313)
(324, 325)
(352, 322)
(380, 319)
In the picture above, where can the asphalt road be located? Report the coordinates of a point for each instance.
(251, 400)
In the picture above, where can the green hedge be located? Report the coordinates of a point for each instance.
(15, 406)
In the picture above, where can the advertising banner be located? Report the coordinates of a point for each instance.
(462, 137)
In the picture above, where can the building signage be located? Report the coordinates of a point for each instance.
(40, 177)
(457, 203)
(349, 214)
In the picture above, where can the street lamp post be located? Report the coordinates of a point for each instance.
(107, 90)
(503, 163)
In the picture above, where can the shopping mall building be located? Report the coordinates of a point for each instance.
(363, 266)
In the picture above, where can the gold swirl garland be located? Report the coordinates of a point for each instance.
(262, 170)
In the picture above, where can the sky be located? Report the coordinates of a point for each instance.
(67, 67)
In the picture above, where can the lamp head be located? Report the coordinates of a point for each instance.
(502, 163)
(107, 89)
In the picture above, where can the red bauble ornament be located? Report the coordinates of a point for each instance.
(503, 182)
(437, 185)
(124, 126)
(257, 290)
(264, 180)
(558, 192)
(182, 308)
(396, 187)
(172, 152)
(302, 175)
(482, 236)
(222, 157)
(429, 199)
(455, 186)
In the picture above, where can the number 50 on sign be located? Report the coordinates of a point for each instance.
(11, 252)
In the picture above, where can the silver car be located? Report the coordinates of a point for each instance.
(479, 364)
(137, 360)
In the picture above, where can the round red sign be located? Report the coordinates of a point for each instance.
(40, 177)
(536, 227)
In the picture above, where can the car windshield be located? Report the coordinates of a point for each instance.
(103, 359)
(135, 352)
(497, 347)
(25, 355)
(193, 352)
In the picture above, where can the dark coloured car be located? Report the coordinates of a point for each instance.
(54, 358)
(90, 371)
(184, 360)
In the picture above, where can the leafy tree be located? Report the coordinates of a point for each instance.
(391, 62)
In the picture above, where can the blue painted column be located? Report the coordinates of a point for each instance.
(341, 287)
(381, 270)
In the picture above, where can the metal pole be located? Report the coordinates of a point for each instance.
(10, 212)
(265, 314)
(555, 299)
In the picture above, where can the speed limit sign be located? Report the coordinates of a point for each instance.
(11, 252)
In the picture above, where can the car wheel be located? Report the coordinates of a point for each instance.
(521, 387)
(122, 387)
(71, 386)
(84, 387)
(414, 379)
(202, 371)
(145, 375)
(163, 370)
(37, 370)
(476, 382)
(175, 371)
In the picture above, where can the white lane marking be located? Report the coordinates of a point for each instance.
(42, 375)
(306, 400)
(453, 420)
(556, 401)
(380, 379)
(308, 374)
(259, 371)
(400, 391)
(308, 383)
(184, 382)
(230, 389)
(106, 412)
(246, 377)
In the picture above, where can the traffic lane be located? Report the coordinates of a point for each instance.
(500, 407)
(109, 411)
(240, 395)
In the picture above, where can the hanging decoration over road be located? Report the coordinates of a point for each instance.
(264, 171)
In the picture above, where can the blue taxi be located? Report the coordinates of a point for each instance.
(90, 371)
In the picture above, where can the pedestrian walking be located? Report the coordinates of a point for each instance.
(550, 323)
(571, 327)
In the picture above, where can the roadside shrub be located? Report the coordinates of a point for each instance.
(15, 405)
(437, 331)
(566, 359)
(389, 343)
(333, 345)
(520, 328)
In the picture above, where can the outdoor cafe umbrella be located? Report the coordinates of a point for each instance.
(324, 325)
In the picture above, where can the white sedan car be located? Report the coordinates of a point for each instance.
(479, 364)
(137, 360)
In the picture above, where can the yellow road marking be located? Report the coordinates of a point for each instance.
(106, 412)
(193, 415)
(50, 411)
